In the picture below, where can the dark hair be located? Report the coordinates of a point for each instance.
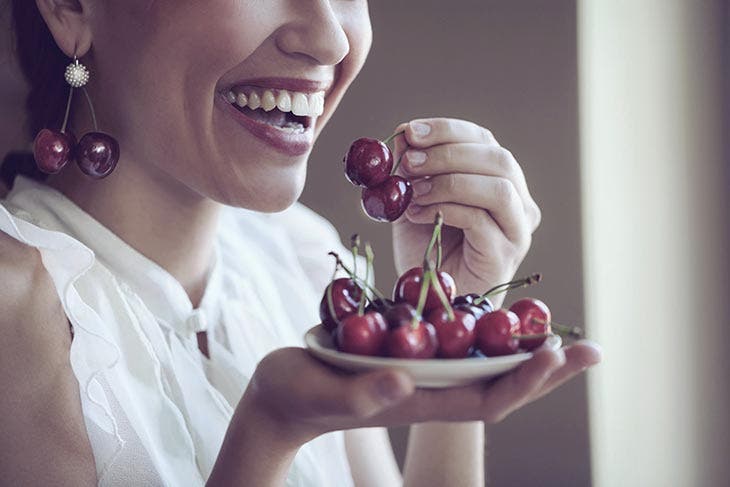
(43, 65)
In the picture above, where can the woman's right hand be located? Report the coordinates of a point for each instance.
(293, 398)
(309, 398)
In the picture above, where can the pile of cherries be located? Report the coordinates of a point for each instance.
(369, 164)
(426, 319)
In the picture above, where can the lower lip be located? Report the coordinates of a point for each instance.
(291, 144)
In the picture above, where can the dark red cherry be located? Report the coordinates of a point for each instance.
(97, 154)
(362, 335)
(345, 300)
(455, 337)
(408, 288)
(368, 162)
(472, 309)
(408, 341)
(387, 201)
(381, 305)
(400, 314)
(534, 318)
(494, 333)
(465, 299)
(466, 302)
(52, 150)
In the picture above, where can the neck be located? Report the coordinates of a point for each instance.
(160, 218)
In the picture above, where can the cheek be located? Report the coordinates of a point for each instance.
(359, 32)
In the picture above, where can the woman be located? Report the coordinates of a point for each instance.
(157, 311)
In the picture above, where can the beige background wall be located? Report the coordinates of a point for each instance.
(510, 66)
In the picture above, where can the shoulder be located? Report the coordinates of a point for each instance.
(31, 314)
(40, 409)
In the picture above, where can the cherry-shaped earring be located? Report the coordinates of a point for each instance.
(96, 153)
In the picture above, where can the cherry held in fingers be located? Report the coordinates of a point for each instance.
(494, 333)
(52, 150)
(362, 334)
(455, 337)
(387, 201)
(368, 162)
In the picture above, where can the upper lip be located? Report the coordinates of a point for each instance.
(291, 84)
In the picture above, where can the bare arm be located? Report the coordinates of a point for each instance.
(371, 458)
(445, 454)
(43, 437)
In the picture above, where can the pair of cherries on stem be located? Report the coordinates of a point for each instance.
(96, 153)
(369, 164)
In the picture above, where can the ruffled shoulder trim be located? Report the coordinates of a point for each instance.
(92, 350)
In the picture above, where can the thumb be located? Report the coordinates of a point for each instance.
(373, 392)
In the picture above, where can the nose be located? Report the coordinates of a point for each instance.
(316, 32)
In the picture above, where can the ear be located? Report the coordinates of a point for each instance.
(68, 22)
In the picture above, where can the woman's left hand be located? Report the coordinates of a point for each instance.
(458, 167)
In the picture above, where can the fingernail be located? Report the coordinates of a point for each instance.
(421, 188)
(390, 390)
(590, 343)
(420, 129)
(416, 158)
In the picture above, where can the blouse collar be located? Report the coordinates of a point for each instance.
(161, 291)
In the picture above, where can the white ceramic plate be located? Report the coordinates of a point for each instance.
(433, 373)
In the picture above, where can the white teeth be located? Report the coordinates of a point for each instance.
(254, 101)
(268, 101)
(284, 101)
(298, 103)
(316, 103)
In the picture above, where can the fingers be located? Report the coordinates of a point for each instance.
(496, 194)
(300, 387)
(578, 357)
(515, 389)
(371, 393)
(481, 230)
(458, 146)
(427, 132)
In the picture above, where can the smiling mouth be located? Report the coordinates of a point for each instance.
(289, 111)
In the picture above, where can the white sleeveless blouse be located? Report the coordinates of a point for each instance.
(155, 408)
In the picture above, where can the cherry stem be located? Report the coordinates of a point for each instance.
(390, 139)
(91, 108)
(68, 109)
(369, 256)
(355, 246)
(397, 164)
(438, 223)
(439, 250)
(355, 278)
(442, 295)
(425, 283)
(503, 288)
(562, 330)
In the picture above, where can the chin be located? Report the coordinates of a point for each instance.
(267, 195)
